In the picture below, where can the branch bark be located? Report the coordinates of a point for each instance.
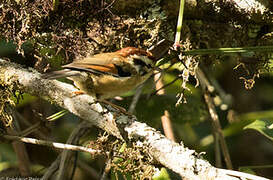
(187, 163)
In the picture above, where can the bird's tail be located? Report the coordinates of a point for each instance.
(60, 74)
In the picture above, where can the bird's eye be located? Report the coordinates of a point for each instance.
(139, 62)
(121, 72)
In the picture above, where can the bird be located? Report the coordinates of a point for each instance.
(111, 74)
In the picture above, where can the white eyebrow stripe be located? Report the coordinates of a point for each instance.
(145, 59)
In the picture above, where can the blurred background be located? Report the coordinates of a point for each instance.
(45, 35)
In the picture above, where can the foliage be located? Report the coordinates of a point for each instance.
(264, 126)
(235, 54)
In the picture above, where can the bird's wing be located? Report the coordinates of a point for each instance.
(97, 64)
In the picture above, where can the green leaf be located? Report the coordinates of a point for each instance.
(55, 4)
(247, 170)
(243, 121)
(25, 100)
(162, 175)
(270, 63)
(57, 115)
(264, 126)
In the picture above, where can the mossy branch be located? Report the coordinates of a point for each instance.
(187, 163)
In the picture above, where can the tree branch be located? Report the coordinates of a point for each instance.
(51, 144)
(187, 163)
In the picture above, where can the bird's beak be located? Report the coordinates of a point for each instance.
(160, 49)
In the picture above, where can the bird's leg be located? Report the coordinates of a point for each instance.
(121, 109)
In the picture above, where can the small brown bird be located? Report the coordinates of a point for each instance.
(107, 75)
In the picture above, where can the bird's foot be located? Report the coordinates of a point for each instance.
(121, 109)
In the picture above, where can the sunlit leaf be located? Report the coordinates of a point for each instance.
(243, 121)
(247, 170)
(262, 126)
(57, 115)
(26, 99)
(162, 175)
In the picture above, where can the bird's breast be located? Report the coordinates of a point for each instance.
(107, 86)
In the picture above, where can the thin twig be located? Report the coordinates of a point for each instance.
(167, 125)
(135, 98)
(241, 175)
(74, 164)
(216, 123)
(228, 50)
(179, 21)
(52, 169)
(55, 165)
(218, 161)
(51, 144)
(165, 119)
(30, 129)
(92, 173)
(107, 7)
(19, 147)
(66, 154)
(40, 134)
(159, 84)
(165, 85)
(106, 169)
(214, 116)
(225, 97)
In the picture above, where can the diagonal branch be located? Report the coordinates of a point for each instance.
(214, 117)
(187, 163)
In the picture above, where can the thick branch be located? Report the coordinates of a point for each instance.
(175, 156)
